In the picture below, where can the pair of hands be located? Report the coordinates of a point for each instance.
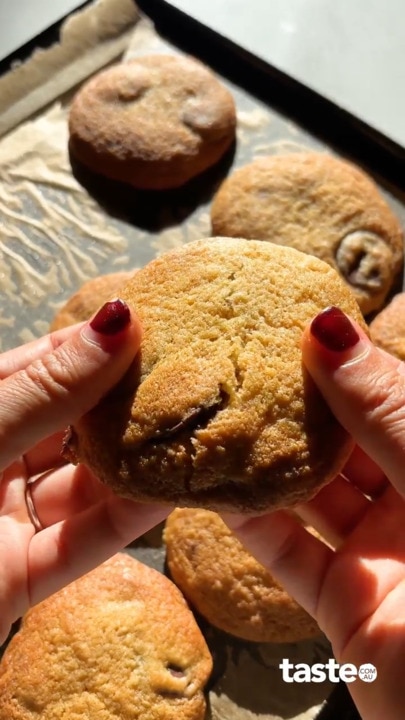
(356, 593)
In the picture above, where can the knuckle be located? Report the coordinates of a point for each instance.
(286, 550)
(385, 402)
(51, 375)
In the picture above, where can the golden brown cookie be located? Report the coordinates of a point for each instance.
(387, 329)
(86, 301)
(226, 584)
(217, 410)
(154, 122)
(118, 643)
(321, 205)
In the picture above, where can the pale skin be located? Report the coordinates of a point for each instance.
(357, 592)
(45, 386)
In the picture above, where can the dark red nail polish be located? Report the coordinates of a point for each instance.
(333, 329)
(112, 318)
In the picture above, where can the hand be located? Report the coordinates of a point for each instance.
(357, 591)
(44, 386)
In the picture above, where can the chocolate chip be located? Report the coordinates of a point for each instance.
(364, 259)
(195, 418)
(175, 670)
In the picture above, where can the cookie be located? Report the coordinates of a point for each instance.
(387, 329)
(118, 643)
(86, 301)
(226, 584)
(217, 409)
(154, 122)
(321, 205)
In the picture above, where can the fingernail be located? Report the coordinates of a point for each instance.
(113, 317)
(333, 329)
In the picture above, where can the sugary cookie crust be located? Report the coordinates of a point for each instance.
(118, 643)
(387, 329)
(226, 584)
(86, 301)
(217, 410)
(154, 122)
(321, 205)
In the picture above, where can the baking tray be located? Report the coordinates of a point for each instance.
(324, 118)
(57, 232)
(59, 228)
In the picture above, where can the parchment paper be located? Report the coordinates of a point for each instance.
(89, 39)
(57, 231)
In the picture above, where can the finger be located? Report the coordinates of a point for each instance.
(18, 358)
(12, 489)
(45, 455)
(364, 387)
(364, 572)
(297, 559)
(15, 536)
(364, 473)
(66, 491)
(65, 551)
(339, 589)
(61, 386)
(335, 511)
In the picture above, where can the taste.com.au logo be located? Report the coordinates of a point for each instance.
(332, 671)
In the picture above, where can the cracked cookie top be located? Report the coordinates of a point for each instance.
(321, 205)
(217, 410)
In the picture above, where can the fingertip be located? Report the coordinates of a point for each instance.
(136, 329)
(234, 520)
(254, 530)
(333, 339)
(112, 325)
(363, 386)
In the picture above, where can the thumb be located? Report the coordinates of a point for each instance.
(364, 387)
(61, 385)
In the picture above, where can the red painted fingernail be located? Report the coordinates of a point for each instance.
(333, 329)
(113, 317)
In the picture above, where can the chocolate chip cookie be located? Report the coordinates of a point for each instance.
(154, 122)
(387, 329)
(119, 642)
(217, 409)
(321, 205)
(226, 584)
(86, 301)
